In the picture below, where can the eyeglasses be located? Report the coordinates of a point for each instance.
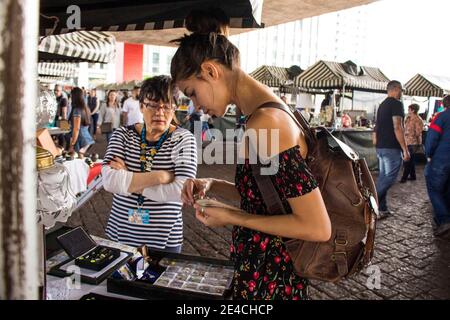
(154, 106)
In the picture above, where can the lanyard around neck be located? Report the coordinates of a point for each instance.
(146, 158)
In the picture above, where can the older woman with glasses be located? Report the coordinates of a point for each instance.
(145, 167)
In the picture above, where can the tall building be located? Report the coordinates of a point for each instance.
(338, 36)
(157, 60)
(92, 74)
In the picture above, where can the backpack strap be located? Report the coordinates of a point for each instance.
(266, 187)
(268, 191)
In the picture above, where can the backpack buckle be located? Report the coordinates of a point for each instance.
(341, 242)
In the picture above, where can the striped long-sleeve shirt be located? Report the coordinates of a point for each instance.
(177, 154)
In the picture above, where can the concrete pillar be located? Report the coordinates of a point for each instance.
(19, 250)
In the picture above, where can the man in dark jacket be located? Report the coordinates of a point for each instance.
(437, 171)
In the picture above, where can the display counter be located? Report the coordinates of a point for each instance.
(144, 273)
(62, 288)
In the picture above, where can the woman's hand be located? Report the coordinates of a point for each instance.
(118, 164)
(215, 216)
(192, 187)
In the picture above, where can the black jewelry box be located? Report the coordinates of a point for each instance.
(179, 277)
(94, 263)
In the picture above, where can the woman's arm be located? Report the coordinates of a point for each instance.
(135, 182)
(75, 130)
(101, 115)
(142, 180)
(185, 155)
(419, 130)
(309, 220)
(125, 182)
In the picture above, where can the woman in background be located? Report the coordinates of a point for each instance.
(413, 137)
(80, 119)
(109, 115)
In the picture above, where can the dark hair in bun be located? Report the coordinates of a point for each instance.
(196, 48)
(208, 20)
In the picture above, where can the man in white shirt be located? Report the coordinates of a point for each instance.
(131, 111)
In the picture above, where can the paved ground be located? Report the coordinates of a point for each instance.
(412, 263)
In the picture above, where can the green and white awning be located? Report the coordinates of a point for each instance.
(422, 85)
(271, 76)
(334, 75)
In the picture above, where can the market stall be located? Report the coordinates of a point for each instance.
(271, 76)
(429, 86)
(345, 81)
(21, 279)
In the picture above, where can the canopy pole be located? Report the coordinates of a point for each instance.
(428, 109)
(19, 237)
(353, 99)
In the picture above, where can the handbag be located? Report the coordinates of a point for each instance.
(418, 149)
(106, 127)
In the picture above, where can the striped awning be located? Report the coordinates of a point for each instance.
(422, 85)
(56, 69)
(334, 75)
(81, 46)
(271, 76)
(50, 79)
(118, 15)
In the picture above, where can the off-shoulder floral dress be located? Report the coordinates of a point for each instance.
(263, 268)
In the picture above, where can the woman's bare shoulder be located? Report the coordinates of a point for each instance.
(270, 122)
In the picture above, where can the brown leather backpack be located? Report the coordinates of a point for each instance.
(350, 197)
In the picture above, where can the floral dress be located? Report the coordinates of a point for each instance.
(263, 268)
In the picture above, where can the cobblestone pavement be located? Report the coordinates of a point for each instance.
(412, 263)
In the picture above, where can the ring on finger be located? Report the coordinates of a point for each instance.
(202, 210)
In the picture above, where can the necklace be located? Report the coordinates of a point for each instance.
(146, 158)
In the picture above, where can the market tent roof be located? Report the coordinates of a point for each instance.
(334, 75)
(422, 85)
(56, 69)
(80, 46)
(118, 15)
(50, 79)
(158, 22)
(271, 76)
